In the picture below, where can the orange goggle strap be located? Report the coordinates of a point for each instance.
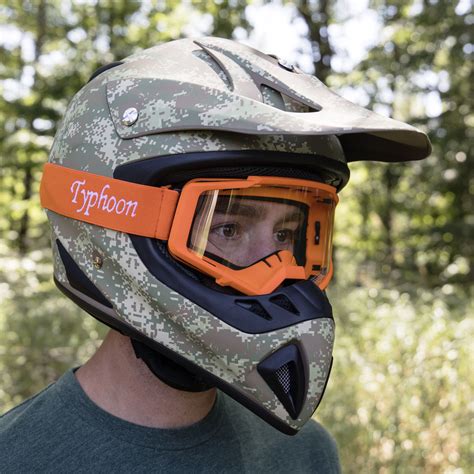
(107, 202)
(150, 211)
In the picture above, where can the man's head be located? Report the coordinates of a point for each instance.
(191, 191)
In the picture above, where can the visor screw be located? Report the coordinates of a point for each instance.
(130, 116)
(97, 260)
(286, 65)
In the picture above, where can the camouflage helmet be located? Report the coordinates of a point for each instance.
(211, 108)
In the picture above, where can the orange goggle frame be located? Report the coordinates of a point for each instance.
(165, 214)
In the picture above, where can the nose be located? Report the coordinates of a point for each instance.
(262, 244)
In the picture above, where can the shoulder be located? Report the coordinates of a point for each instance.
(30, 430)
(315, 438)
(21, 417)
(312, 449)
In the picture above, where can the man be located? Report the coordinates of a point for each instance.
(191, 192)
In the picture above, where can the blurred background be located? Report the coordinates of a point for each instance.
(400, 397)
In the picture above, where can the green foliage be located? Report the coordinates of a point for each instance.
(399, 399)
(420, 214)
(401, 384)
(62, 44)
(42, 334)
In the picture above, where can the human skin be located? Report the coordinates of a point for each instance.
(122, 385)
(247, 231)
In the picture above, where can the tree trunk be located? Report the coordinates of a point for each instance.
(28, 178)
(317, 19)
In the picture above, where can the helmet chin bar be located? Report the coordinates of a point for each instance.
(107, 316)
(168, 371)
(283, 365)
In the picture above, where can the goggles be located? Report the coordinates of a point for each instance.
(250, 234)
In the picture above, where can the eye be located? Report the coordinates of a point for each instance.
(284, 236)
(227, 231)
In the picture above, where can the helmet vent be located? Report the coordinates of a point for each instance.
(255, 307)
(284, 373)
(272, 97)
(214, 65)
(284, 378)
(281, 101)
(284, 302)
(292, 105)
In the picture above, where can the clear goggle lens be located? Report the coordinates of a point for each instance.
(239, 227)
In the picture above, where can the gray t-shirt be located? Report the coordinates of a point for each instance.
(62, 430)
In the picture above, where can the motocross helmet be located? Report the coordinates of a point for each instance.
(191, 191)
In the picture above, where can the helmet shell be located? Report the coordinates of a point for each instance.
(192, 97)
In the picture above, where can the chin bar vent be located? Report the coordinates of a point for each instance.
(283, 371)
(284, 378)
(284, 302)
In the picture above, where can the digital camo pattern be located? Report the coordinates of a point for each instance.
(76, 146)
(171, 319)
(191, 97)
(196, 97)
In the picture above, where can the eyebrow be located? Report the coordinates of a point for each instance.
(236, 208)
(295, 216)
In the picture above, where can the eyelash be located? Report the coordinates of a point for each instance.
(216, 228)
(221, 227)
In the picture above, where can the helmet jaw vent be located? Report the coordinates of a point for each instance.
(255, 307)
(284, 302)
(284, 373)
(284, 377)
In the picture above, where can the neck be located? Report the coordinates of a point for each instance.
(122, 385)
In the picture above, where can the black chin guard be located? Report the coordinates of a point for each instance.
(167, 371)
